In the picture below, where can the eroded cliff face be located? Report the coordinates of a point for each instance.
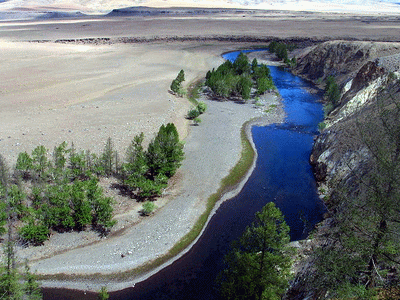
(362, 70)
(341, 156)
(342, 59)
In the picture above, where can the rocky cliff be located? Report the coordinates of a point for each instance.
(344, 59)
(368, 76)
(362, 70)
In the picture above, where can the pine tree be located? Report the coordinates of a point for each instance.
(40, 163)
(258, 265)
(165, 152)
(103, 294)
(176, 85)
(108, 157)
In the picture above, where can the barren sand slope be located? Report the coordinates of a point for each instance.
(254, 23)
(85, 94)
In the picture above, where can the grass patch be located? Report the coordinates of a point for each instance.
(194, 91)
(230, 182)
(321, 126)
(256, 47)
(270, 108)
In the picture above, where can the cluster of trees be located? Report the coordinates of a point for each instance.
(147, 171)
(281, 50)
(258, 266)
(62, 192)
(46, 194)
(14, 284)
(176, 84)
(237, 79)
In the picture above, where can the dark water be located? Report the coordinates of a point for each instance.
(282, 175)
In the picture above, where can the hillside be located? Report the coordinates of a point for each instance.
(355, 159)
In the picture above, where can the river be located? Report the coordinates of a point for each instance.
(282, 175)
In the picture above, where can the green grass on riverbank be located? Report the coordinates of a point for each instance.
(229, 183)
(194, 91)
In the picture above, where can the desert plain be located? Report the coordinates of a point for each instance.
(82, 80)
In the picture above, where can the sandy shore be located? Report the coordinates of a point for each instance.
(52, 92)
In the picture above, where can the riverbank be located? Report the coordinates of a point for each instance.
(212, 149)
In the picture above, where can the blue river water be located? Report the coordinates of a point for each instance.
(282, 175)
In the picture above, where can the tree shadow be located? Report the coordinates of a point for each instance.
(124, 190)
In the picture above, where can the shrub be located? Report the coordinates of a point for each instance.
(328, 108)
(24, 164)
(201, 107)
(332, 91)
(321, 126)
(148, 207)
(35, 233)
(103, 294)
(197, 121)
(176, 85)
(193, 113)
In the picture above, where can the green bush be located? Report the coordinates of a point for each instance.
(197, 121)
(321, 126)
(176, 85)
(148, 207)
(103, 294)
(328, 108)
(193, 113)
(35, 233)
(201, 107)
(24, 163)
(332, 91)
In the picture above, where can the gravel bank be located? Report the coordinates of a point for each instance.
(211, 149)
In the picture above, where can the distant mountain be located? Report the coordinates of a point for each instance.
(101, 6)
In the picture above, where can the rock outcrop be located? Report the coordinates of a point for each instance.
(368, 78)
(342, 59)
(362, 70)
